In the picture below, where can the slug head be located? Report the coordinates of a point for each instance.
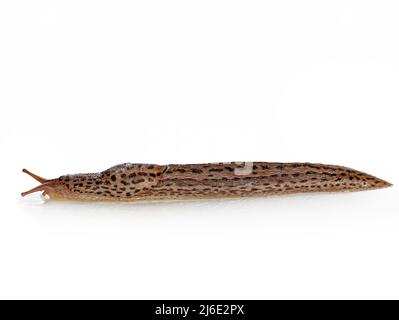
(122, 182)
(50, 187)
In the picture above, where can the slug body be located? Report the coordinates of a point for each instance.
(135, 182)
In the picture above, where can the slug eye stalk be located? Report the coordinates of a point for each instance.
(41, 187)
(34, 176)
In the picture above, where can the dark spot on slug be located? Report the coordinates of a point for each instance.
(313, 166)
(113, 177)
(197, 171)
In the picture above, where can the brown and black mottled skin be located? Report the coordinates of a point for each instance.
(135, 182)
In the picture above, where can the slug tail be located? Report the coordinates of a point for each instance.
(379, 184)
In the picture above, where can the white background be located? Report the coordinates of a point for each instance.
(85, 85)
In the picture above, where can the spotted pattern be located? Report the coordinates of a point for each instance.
(134, 182)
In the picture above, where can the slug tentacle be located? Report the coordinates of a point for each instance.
(134, 182)
(36, 189)
(34, 176)
(46, 184)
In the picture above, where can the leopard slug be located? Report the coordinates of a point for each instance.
(135, 182)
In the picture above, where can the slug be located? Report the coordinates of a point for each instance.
(135, 182)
